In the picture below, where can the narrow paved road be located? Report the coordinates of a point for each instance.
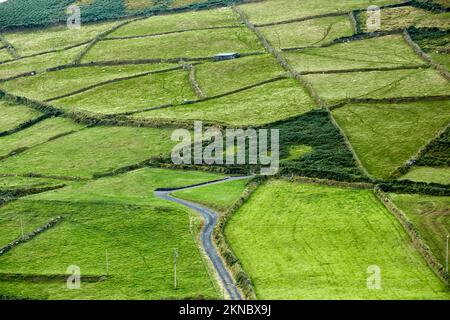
(210, 218)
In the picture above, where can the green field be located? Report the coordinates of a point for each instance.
(93, 150)
(178, 22)
(309, 32)
(282, 10)
(12, 115)
(18, 182)
(59, 37)
(321, 245)
(431, 216)
(131, 95)
(404, 17)
(428, 174)
(138, 231)
(56, 83)
(217, 196)
(264, 104)
(235, 74)
(386, 136)
(382, 52)
(192, 44)
(35, 135)
(39, 63)
(379, 84)
(352, 108)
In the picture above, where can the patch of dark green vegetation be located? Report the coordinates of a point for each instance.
(406, 186)
(430, 39)
(437, 153)
(329, 158)
(430, 5)
(310, 146)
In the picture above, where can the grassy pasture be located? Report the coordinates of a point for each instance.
(4, 55)
(386, 136)
(388, 51)
(35, 135)
(29, 42)
(121, 215)
(431, 216)
(441, 58)
(428, 174)
(219, 197)
(38, 63)
(264, 104)
(191, 44)
(181, 21)
(321, 245)
(134, 94)
(93, 150)
(13, 115)
(18, 182)
(282, 10)
(56, 83)
(309, 32)
(333, 88)
(235, 74)
(404, 17)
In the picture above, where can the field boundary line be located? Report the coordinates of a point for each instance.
(353, 38)
(403, 169)
(306, 18)
(26, 124)
(169, 32)
(22, 192)
(325, 15)
(17, 76)
(99, 84)
(99, 37)
(193, 81)
(17, 277)
(270, 49)
(414, 235)
(23, 149)
(45, 52)
(427, 58)
(328, 182)
(241, 278)
(423, 66)
(354, 22)
(9, 47)
(30, 236)
(349, 145)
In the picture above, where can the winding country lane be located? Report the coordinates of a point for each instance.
(210, 218)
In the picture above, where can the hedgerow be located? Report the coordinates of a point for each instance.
(430, 39)
(437, 153)
(406, 186)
